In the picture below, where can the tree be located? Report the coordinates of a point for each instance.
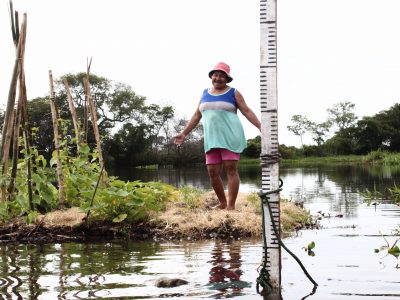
(300, 126)
(116, 103)
(253, 148)
(319, 131)
(342, 115)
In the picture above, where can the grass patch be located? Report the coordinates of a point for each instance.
(382, 157)
(245, 221)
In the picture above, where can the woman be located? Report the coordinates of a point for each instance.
(224, 138)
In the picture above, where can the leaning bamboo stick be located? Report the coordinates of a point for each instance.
(17, 119)
(73, 113)
(26, 135)
(6, 154)
(61, 197)
(9, 114)
(17, 122)
(93, 115)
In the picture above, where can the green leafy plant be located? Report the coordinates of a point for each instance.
(393, 249)
(115, 200)
(255, 200)
(191, 196)
(310, 248)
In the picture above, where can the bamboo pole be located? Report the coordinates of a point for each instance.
(93, 114)
(15, 152)
(85, 104)
(26, 135)
(6, 154)
(73, 113)
(61, 197)
(9, 114)
(17, 119)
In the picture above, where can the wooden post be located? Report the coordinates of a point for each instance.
(26, 135)
(9, 114)
(54, 116)
(269, 136)
(17, 119)
(93, 113)
(15, 152)
(73, 113)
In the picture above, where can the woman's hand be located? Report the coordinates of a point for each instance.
(178, 139)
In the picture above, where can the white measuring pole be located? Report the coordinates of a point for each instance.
(269, 135)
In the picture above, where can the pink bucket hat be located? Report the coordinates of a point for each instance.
(221, 66)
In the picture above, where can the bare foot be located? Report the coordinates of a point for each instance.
(220, 206)
(230, 208)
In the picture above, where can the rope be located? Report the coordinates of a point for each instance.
(263, 278)
(269, 159)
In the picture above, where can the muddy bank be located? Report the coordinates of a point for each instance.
(177, 222)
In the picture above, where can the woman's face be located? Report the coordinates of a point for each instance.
(219, 80)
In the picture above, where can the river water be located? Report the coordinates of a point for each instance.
(344, 262)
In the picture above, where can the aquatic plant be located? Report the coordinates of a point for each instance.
(374, 197)
(393, 249)
(382, 157)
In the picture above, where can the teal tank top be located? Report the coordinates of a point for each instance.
(221, 125)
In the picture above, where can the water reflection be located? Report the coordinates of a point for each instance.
(344, 264)
(226, 270)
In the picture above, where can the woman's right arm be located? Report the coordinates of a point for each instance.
(179, 138)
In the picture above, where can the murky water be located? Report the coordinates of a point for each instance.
(344, 262)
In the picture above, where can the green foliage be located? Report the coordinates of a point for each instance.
(310, 248)
(382, 157)
(255, 200)
(341, 114)
(393, 249)
(191, 196)
(115, 200)
(253, 148)
(389, 193)
(128, 201)
(300, 125)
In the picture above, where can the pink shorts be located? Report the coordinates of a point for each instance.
(217, 155)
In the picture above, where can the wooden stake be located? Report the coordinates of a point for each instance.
(26, 135)
(9, 114)
(93, 114)
(73, 113)
(15, 152)
(60, 177)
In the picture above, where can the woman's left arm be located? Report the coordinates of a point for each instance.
(246, 111)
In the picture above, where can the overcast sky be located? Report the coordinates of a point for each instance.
(328, 51)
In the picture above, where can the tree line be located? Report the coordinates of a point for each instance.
(342, 133)
(133, 132)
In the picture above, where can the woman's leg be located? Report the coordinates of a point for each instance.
(214, 171)
(233, 182)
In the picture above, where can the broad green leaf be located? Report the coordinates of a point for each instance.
(135, 202)
(36, 178)
(395, 251)
(84, 148)
(122, 193)
(311, 246)
(120, 218)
